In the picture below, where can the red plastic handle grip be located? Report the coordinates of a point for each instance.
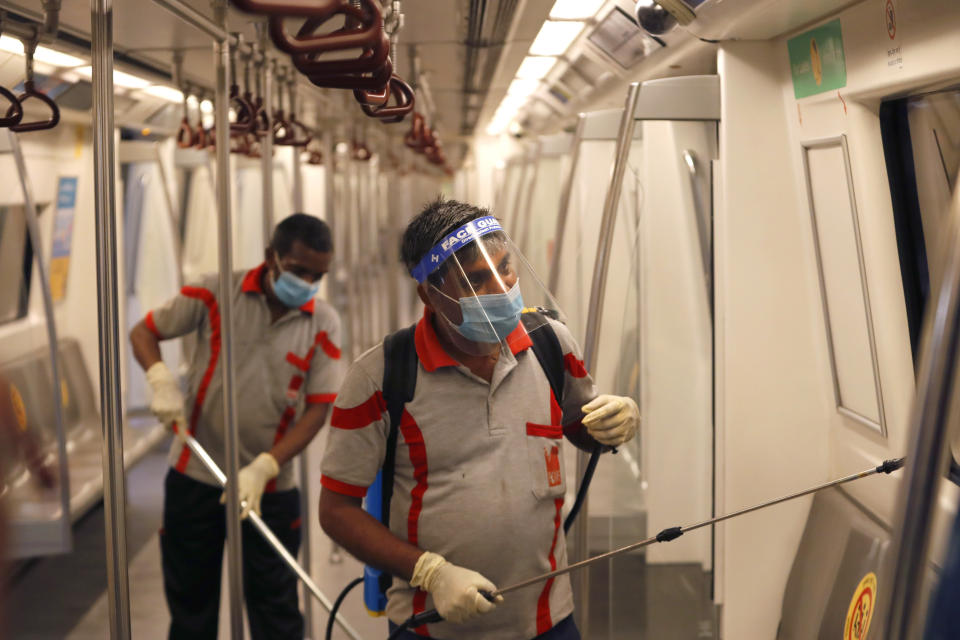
(371, 60)
(363, 30)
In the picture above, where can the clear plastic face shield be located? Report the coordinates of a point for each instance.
(484, 293)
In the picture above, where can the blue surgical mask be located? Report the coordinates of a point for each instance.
(292, 291)
(490, 317)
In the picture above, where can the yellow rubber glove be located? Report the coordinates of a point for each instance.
(611, 420)
(251, 482)
(167, 401)
(455, 590)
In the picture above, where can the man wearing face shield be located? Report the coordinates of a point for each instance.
(478, 473)
(287, 374)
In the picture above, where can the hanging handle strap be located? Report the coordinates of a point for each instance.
(185, 138)
(414, 138)
(14, 112)
(405, 102)
(370, 60)
(30, 91)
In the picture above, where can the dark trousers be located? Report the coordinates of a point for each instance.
(566, 629)
(191, 544)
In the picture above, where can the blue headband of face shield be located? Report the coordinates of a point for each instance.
(452, 242)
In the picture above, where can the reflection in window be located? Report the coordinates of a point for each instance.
(16, 259)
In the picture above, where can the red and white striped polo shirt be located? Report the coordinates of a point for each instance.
(279, 367)
(479, 473)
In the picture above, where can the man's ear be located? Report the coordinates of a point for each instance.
(424, 298)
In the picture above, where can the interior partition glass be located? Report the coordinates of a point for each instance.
(541, 223)
(656, 346)
(153, 272)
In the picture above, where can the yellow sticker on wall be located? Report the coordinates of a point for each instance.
(19, 409)
(861, 608)
(64, 394)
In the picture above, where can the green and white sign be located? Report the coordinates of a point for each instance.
(817, 63)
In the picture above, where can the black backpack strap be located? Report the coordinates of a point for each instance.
(546, 346)
(399, 382)
(400, 365)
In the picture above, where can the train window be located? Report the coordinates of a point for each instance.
(921, 143)
(16, 258)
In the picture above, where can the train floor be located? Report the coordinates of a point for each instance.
(65, 596)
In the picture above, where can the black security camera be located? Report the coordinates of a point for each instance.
(653, 18)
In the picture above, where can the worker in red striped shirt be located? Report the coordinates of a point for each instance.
(287, 372)
(478, 481)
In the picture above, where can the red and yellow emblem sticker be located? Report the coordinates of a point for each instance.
(861, 609)
(19, 409)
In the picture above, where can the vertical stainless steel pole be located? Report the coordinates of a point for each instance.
(329, 160)
(564, 213)
(594, 318)
(108, 291)
(297, 179)
(931, 427)
(221, 50)
(266, 151)
(306, 557)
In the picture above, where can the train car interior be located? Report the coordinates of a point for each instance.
(746, 211)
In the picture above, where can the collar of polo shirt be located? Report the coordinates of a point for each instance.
(251, 284)
(432, 355)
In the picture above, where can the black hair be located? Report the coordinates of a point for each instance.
(313, 232)
(428, 227)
